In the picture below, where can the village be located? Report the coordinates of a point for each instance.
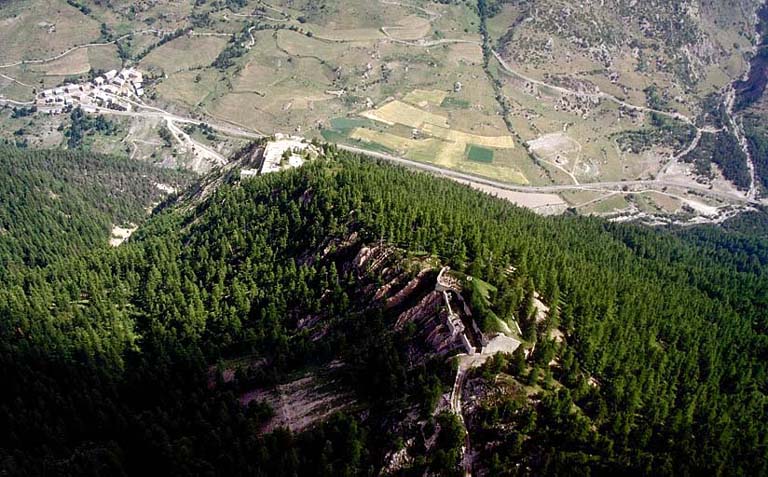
(113, 90)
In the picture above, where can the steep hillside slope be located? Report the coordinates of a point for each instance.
(685, 49)
(54, 204)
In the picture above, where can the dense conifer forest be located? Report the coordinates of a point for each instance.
(105, 354)
(57, 203)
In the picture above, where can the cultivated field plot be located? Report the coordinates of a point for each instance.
(184, 53)
(479, 154)
(588, 140)
(423, 98)
(382, 78)
(397, 112)
(74, 64)
(402, 129)
(189, 88)
(411, 27)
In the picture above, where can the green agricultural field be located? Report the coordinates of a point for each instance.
(345, 124)
(451, 102)
(610, 204)
(479, 154)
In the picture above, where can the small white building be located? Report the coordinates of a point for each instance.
(98, 81)
(110, 74)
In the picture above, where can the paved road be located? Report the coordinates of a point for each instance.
(5, 101)
(437, 170)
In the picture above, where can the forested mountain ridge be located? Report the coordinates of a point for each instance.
(651, 359)
(56, 203)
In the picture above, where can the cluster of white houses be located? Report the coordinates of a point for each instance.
(107, 91)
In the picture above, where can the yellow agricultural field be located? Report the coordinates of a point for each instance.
(391, 141)
(504, 174)
(398, 112)
(447, 154)
(451, 154)
(423, 97)
(498, 142)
